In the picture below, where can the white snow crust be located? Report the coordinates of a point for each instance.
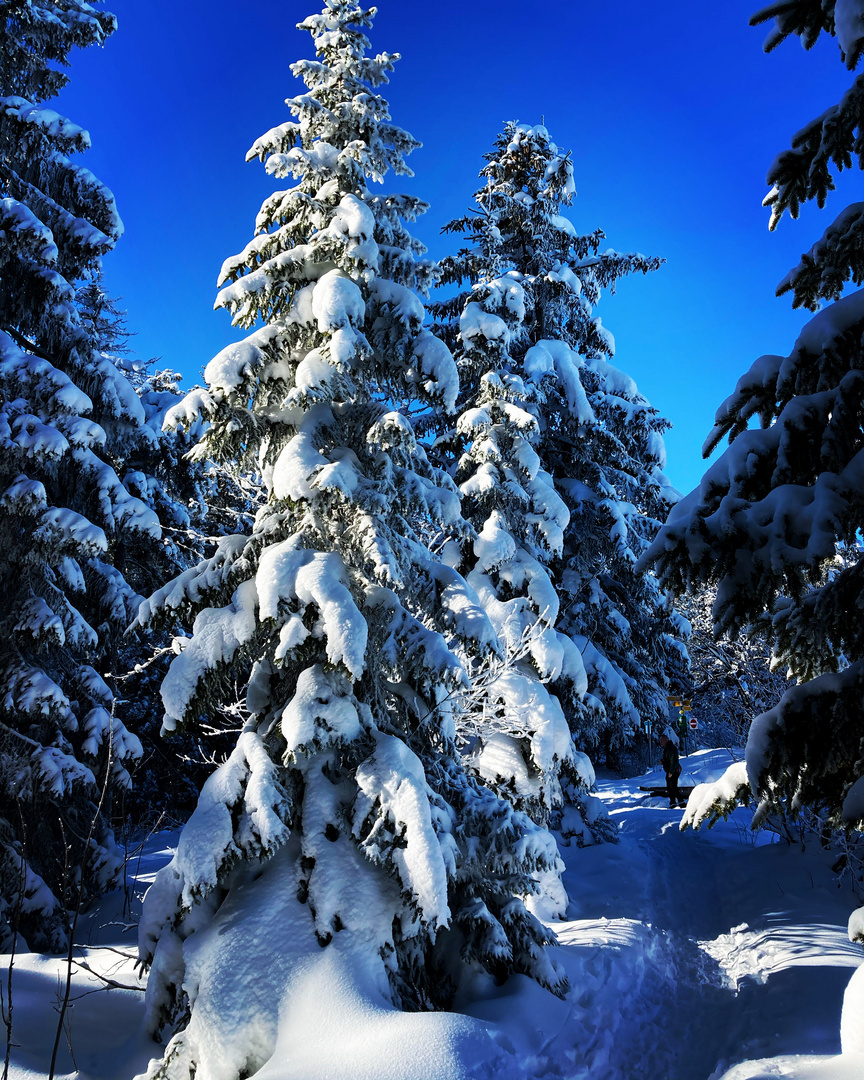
(217, 635)
(548, 357)
(287, 572)
(691, 955)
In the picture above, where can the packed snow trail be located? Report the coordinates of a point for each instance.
(748, 954)
(686, 953)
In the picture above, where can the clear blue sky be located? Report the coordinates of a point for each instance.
(672, 111)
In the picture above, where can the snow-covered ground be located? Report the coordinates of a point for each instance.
(687, 955)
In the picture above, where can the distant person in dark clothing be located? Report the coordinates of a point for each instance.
(672, 768)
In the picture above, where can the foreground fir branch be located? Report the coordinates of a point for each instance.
(765, 523)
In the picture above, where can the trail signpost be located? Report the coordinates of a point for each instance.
(684, 706)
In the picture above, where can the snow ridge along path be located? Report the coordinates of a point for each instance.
(688, 953)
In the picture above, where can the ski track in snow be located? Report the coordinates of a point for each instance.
(687, 953)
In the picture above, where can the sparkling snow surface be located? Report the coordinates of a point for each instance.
(692, 956)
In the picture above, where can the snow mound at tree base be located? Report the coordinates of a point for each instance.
(333, 1026)
(271, 1004)
(797, 1067)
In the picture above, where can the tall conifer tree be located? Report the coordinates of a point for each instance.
(62, 506)
(346, 783)
(570, 445)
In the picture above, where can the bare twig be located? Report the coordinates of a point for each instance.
(475, 717)
(124, 926)
(65, 1020)
(111, 984)
(18, 735)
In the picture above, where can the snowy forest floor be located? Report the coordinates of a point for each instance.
(687, 953)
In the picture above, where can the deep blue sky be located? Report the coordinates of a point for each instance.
(672, 111)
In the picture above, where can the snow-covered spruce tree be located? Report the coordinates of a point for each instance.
(581, 426)
(521, 740)
(133, 443)
(62, 505)
(196, 501)
(765, 522)
(346, 790)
